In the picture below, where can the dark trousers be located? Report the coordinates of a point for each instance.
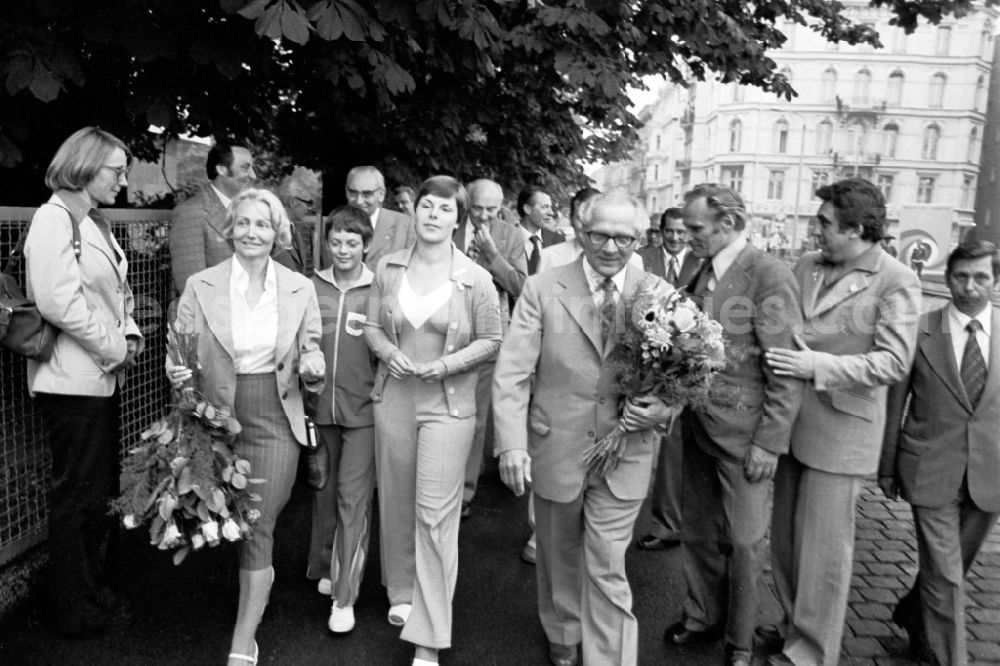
(83, 435)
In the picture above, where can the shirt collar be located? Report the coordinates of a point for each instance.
(594, 279)
(960, 320)
(374, 217)
(76, 203)
(367, 277)
(679, 256)
(727, 256)
(239, 279)
(222, 197)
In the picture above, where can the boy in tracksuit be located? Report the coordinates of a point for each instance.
(343, 416)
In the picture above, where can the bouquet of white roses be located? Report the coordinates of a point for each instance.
(670, 349)
(185, 478)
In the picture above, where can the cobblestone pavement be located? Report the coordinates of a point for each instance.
(885, 562)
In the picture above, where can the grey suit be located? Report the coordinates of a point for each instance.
(945, 456)
(196, 240)
(394, 232)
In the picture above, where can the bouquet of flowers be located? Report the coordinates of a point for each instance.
(184, 478)
(670, 349)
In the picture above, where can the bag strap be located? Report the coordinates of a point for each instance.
(17, 254)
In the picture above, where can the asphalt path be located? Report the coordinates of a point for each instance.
(185, 613)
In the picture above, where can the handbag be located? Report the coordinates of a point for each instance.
(316, 458)
(22, 328)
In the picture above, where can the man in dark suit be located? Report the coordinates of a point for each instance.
(499, 248)
(365, 189)
(942, 453)
(196, 240)
(859, 307)
(732, 444)
(678, 265)
(554, 395)
(535, 208)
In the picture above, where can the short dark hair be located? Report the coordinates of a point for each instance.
(221, 154)
(582, 195)
(974, 250)
(447, 187)
(859, 205)
(673, 213)
(348, 219)
(525, 196)
(723, 201)
(405, 188)
(652, 230)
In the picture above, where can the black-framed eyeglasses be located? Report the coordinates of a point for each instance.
(599, 239)
(118, 171)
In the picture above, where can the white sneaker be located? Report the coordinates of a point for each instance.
(399, 614)
(325, 587)
(341, 619)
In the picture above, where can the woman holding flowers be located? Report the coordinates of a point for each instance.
(76, 274)
(432, 318)
(258, 327)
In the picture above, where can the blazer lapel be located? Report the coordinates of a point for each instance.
(936, 346)
(992, 388)
(290, 306)
(575, 296)
(846, 287)
(811, 283)
(212, 290)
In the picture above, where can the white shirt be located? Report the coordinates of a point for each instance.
(957, 321)
(255, 329)
(418, 309)
(724, 259)
(374, 217)
(222, 197)
(594, 280)
(567, 252)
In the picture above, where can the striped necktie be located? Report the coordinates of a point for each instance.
(607, 309)
(973, 365)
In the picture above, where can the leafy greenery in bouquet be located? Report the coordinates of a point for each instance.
(670, 349)
(185, 478)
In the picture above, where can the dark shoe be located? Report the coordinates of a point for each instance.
(678, 634)
(768, 639)
(466, 509)
(903, 615)
(563, 655)
(737, 657)
(653, 542)
(779, 659)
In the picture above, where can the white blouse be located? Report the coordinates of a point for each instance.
(255, 329)
(418, 309)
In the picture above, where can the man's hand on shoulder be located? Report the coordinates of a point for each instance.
(759, 464)
(515, 470)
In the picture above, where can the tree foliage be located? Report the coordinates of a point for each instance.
(516, 89)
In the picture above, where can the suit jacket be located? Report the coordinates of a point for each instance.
(205, 309)
(196, 239)
(299, 256)
(554, 393)
(394, 232)
(89, 300)
(473, 335)
(654, 262)
(940, 440)
(550, 237)
(863, 332)
(510, 267)
(756, 303)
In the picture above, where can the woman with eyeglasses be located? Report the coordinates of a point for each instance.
(83, 291)
(432, 318)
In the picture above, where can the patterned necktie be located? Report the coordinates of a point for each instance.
(973, 365)
(607, 309)
(535, 255)
(672, 274)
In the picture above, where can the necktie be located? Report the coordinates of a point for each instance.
(705, 275)
(672, 273)
(535, 255)
(973, 365)
(607, 309)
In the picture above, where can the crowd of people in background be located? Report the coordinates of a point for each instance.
(430, 337)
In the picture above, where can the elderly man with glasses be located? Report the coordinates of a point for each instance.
(365, 189)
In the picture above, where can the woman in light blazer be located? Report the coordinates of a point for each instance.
(258, 327)
(432, 318)
(86, 295)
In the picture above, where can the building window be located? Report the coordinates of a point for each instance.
(735, 136)
(656, 173)
(968, 191)
(936, 97)
(925, 190)
(654, 203)
(884, 185)
(657, 141)
(986, 41)
(898, 40)
(828, 86)
(974, 146)
(732, 177)
(737, 93)
(862, 86)
(776, 185)
(858, 139)
(894, 91)
(779, 142)
(943, 42)
(981, 93)
(932, 136)
(819, 179)
(824, 137)
(890, 139)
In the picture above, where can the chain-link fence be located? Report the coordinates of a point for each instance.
(24, 456)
